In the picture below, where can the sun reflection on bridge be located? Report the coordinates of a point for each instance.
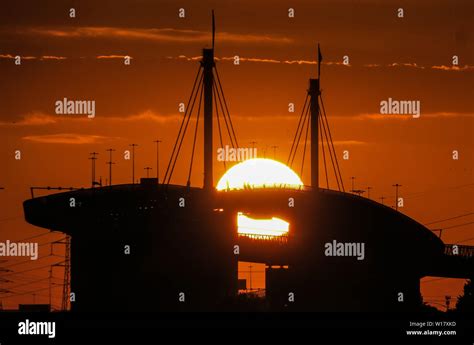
(263, 228)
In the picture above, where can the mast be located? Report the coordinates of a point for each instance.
(314, 92)
(208, 65)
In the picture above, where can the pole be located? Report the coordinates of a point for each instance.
(110, 165)
(158, 159)
(352, 180)
(368, 192)
(93, 158)
(396, 185)
(147, 172)
(382, 198)
(133, 161)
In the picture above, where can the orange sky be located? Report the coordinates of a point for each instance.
(405, 59)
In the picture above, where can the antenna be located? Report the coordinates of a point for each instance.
(213, 29)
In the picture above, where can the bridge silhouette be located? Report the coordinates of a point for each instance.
(182, 255)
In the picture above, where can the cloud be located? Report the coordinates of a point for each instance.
(300, 62)
(405, 64)
(161, 35)
(349, 142)
(35, 119)
(149, 116)
(52, 57)
(113, 57)
(415, 65)
(10, 56)
(241, 58)
(66, 138)
(187, 58)
(328, 63)
(453, 68)
(42, 58)
(448, 114)
(337, 142)
(377, 116)
(260, 60)
(40, 119)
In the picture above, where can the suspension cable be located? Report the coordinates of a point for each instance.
(304, 149)
(297, 131)
(185, 128)
(226, 108)
(306, 117)
(181, 127)
(330, 153)
(221, 100)
(218, 123)
(229, 133)
(194, 141)
(332, 144)
(324, 156)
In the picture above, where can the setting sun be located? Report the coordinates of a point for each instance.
(259, 173)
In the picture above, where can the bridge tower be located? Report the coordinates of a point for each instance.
(208, 81)
(314, 92)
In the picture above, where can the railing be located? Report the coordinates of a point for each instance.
(280, 186)
(32, 189)
(279, 239)
(463, 251)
